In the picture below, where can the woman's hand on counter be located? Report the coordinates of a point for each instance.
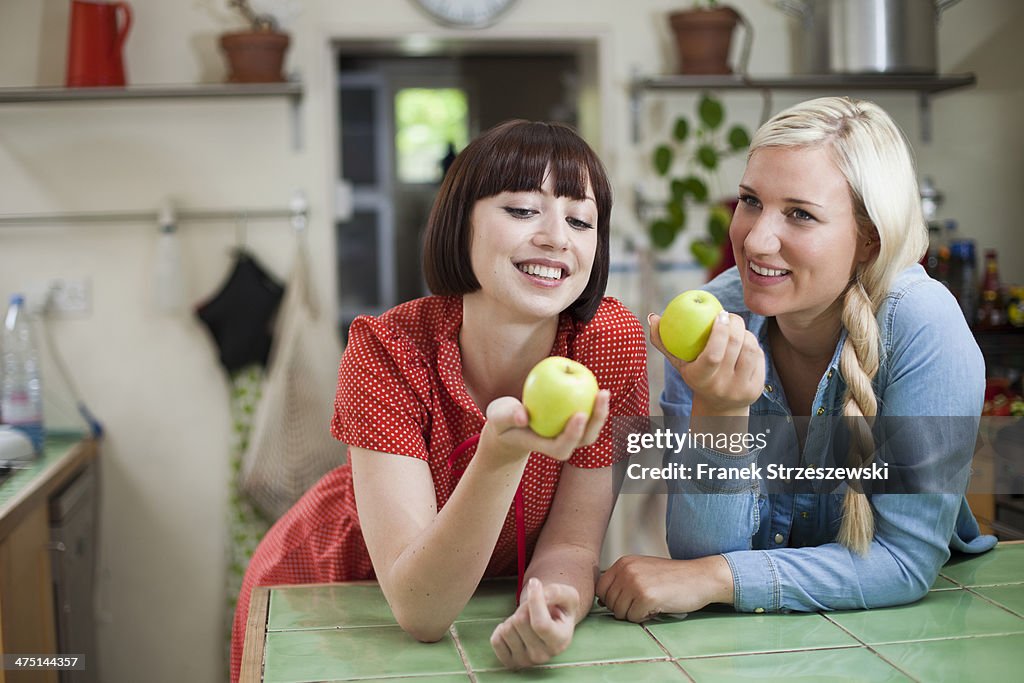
(637, 587)
(540, 628)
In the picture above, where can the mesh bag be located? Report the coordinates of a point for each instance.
(291, 446)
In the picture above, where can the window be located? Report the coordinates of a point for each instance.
(428, 120)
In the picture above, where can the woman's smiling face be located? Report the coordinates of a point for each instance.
(794, 235)
(532, 252)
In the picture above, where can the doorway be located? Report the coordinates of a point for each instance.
(400, 115)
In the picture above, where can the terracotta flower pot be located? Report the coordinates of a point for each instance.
(255, 56)
(703, 38)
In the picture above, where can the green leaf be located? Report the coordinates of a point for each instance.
(707, 157)
(662, 234)
(681, 130)
(739, 138)
(663, 159)
(696, 188)
(678, 190)
(706, 254)
(676, 215)
(718, 224)
(711, 112)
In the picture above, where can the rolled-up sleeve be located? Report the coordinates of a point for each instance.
(911, 543)
(705, 516)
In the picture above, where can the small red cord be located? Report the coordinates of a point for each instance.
(517, 503)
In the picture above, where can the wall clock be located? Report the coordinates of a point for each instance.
(465, 13)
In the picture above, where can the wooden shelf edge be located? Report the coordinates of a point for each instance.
(921, 83)
(28, 95)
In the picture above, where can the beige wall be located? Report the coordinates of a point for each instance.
(153, 378)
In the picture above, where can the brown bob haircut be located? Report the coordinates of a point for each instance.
(512, 157)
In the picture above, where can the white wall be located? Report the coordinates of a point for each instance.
(154, 379)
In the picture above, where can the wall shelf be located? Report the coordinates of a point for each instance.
(292, 90)
(924, 85)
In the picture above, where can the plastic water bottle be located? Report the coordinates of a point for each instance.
(21, 393)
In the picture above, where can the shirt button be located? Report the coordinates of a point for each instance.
(804, 515)
(769, 388)
(759, 610)
(821, 410)
(778, 538)
(830, 374)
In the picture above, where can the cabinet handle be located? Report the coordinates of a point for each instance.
(58, 546)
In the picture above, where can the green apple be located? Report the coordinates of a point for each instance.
(686, 323)
(556, 389)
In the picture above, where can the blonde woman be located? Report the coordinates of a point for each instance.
(830, 318)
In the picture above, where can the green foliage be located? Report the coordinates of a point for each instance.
(696, 151)
(427, 120)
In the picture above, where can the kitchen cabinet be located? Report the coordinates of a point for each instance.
(27, 624)
(28, 621)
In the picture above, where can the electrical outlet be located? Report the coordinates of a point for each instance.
(59, 295)
(71, 295)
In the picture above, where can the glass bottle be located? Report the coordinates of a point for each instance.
(942, 267)
(931, 200)
(992, 306)
(931, 258)
(963, 277)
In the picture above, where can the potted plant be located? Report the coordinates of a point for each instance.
(254, 55)
(703, 36)
(689, 161)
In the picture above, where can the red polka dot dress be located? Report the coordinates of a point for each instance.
(400, 391)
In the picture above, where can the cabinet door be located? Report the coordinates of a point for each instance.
(26, 595)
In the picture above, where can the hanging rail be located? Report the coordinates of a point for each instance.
(297, 212)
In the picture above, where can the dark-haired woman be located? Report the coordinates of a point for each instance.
(450, 483)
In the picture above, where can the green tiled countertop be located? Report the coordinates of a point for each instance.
(55, 448)
(35, 479)
(969, 627)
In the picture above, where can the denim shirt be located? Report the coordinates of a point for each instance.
(781, 547)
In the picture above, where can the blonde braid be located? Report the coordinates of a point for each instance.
(859, 363)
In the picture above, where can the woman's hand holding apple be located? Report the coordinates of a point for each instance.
(728, 375)
(508, 437)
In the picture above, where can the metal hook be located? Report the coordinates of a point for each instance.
(241, 231)
(300, 211)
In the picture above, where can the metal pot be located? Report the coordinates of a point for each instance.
(808, 34)
(885, 36)
(866, 36)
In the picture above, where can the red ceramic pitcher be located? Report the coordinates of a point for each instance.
(95, 41)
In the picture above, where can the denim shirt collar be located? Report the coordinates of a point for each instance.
(827, 396)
